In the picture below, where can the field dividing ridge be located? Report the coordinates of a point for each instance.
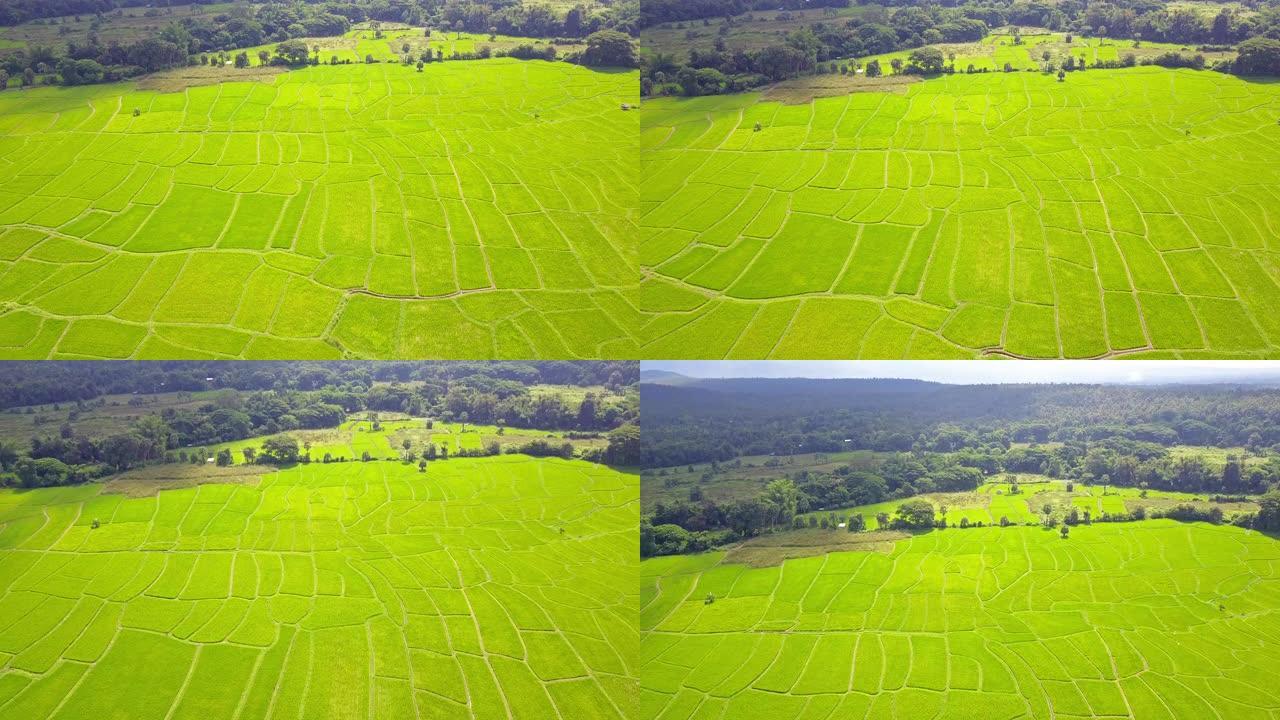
(486, 588)
(362, 211)
(1117, 213)
(1156, 620)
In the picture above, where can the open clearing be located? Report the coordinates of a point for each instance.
(474, 210)
(994, 51)
(1122, 212)
(354, 438)
(1146, 620)
(485, 588)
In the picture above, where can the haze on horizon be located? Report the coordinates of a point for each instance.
(975, 372)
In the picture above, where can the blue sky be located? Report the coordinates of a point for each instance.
(967, 372)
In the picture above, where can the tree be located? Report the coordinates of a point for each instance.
(282, 450)
(80, 72)
(8, 454)
(915, 515)
(249, 455)
(701, 81)
(609, 48)
(1065, 531)
(896, 64)
(1257, 56)
(784, 498)
(293, 52)
(4, 80)
(224, 457)
(264, 57)
(873, 69)
(1268, 517)
(1062, 75)
(928, 59)
(242, 60)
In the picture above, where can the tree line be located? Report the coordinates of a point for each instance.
(720, 420)
(537, 20)
(177, 44)
(282, 397)
(824, 46)
(199, 39)
(683, 527)
(42, 383)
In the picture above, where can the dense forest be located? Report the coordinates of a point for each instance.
(943, 438)
(255, 399)
(509, 17)
(41, 383)
(722, 419)
(884, 28)
(191, 40)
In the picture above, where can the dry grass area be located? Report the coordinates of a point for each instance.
(179, 79)
(801, 90)
(147, 481)
(769, 550)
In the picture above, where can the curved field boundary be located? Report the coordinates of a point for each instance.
(494, 588)
(1121, 212)
(1155, 620)
(473, 210)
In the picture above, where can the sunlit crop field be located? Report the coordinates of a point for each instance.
(473, 210)
(1146, 620)
(1121, 212)
(501, 587)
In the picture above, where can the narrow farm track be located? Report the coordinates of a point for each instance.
(1119, 213)
(1152, 620)
(484, 588)
(474, 210)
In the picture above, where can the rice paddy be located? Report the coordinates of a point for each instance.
(484, 588)
(1118, 213)
(994, 503)
(473, 210)
(354, 438)
(1150, 620)
(995, 51)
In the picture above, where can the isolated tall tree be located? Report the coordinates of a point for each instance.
(293, 52)
(609, 48)
(1258, 56)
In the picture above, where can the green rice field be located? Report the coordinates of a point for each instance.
(358, 211)
(358, 45)
(491, 588)
(354, 438)
(994, 51)
(1149, 620)
(993, 502)
(1119, 213)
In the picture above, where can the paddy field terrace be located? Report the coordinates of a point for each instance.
(475, 209)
